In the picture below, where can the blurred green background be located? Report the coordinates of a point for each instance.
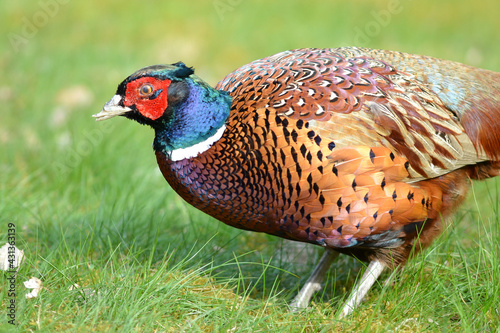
(76, 188)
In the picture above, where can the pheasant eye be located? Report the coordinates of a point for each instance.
(146, 90)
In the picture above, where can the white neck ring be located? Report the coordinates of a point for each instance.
(195, 150)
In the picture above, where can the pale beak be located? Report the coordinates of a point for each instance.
(112, 109)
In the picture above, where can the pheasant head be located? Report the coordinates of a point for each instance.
(187, 114)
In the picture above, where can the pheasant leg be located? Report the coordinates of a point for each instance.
(313, 284)
(375, 268)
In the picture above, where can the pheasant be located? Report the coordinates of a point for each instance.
(360, 151)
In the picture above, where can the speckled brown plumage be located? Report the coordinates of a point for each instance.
(334, 148)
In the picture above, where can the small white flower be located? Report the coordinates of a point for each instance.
(9, 263)
(35, 284)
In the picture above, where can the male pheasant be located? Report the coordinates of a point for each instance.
(360, 151)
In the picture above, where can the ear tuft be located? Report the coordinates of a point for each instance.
(182, 70)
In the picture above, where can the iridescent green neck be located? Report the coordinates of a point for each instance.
(194, 125)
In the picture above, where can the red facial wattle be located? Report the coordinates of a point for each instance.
(149, 95)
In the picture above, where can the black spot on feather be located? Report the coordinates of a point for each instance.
(303, 150)
(372, 156)
(320, 155)
(300, 123)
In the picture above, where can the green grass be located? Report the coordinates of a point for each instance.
(91, 208)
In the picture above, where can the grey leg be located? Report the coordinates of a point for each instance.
(375, 268)
(313, 284)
